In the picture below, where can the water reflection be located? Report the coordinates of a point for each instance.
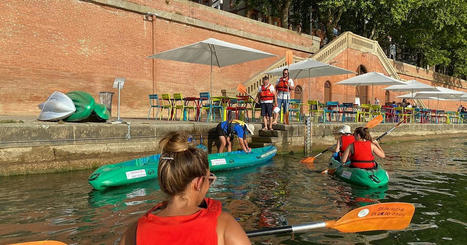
(430, 174)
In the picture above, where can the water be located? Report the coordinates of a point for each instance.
(431, 174)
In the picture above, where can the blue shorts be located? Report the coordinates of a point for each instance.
(283, 104)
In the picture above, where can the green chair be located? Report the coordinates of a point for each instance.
(166, 104)
(315, 110)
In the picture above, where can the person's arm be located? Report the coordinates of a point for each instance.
(346, 154)
(245, 141)
(377, 150)
(231, 231)
(242, 144)
(291, 85)
(129, 237)
(338, 145)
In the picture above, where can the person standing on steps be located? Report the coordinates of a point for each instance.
(267, 97)
(283, 87)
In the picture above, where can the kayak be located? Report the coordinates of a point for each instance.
(372, 178)
(46, 242)
(145, 168)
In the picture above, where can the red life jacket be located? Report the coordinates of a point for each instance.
(198, 228)
(266, 94)
(283, 85)
(362, 156)
(346, 140)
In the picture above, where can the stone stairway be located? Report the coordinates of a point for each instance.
(276, 137)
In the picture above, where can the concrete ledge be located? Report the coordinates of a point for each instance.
(41, 147)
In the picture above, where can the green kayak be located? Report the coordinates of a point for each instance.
(145, 168)
(372, 178)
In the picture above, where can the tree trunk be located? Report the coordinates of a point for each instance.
(285, 13)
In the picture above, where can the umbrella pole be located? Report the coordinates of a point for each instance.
(210, 78)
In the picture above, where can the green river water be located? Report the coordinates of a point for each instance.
(431, 174)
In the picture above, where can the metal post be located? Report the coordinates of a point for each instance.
(118, 106)
(308, 135)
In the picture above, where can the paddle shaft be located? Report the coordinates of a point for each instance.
(390, 130)
(286, 229)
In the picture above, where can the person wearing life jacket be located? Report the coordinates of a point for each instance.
(283, 87)
(188, 216)
(345, 139)
(362, 151)
(267, 97)
(226, 131)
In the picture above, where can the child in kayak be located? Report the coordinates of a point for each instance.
(187, 217)
(345, 139)
(361, 152)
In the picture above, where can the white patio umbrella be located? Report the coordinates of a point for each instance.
(213, 52)
(371, 78)
(412, 86)
(309, 68)
(440, 94)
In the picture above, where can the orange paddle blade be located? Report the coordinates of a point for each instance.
(308, 160)
(241, 88)
(49, 242)
(375, 121)
(383, 216)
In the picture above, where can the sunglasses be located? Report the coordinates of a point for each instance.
(211, 178)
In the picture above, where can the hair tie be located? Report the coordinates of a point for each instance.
(167, 158)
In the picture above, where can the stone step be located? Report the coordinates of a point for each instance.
(272, 133)
(280, 127)
(259, 144)
(264, 139)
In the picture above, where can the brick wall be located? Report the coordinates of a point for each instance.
(67, 45)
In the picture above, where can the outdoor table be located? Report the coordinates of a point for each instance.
(195, 101)
(225, 101)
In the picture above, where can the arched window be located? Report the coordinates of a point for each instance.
(327, 91)
(387, 97)
(362, 91)
(298, 95)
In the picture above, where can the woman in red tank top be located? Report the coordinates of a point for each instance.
(362, 151)
(187, 217)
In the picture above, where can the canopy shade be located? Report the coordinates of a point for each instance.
(413, 86)
(213, 52)
(309, 68)
(443, 93)
(371, 78)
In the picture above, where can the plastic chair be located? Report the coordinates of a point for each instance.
(315, 110)
(331, 108)
(154, 103)
(207, 104)
(363, 113)
(347, 110)
(166, 104)
(295, 109)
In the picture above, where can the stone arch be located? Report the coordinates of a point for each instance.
(362, 91)
(327, 91)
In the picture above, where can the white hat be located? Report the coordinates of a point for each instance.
(251, 128)
(345, 129)
(276, 109)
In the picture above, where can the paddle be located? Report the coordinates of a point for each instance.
(383, 216)
(371, 124)
(241, 88)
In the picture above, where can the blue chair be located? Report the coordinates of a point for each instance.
(295, 108)
(331, 108)
(207, 104)
(347, 110)
(154, 103)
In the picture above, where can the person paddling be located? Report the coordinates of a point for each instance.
(346, 138)
(187, 217)
(362, 151)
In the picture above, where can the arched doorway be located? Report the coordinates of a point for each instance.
(387, 97)
(327, 91)
(362, 91)
(298, 93)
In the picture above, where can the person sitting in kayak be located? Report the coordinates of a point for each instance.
(188, 216)
(345, 139)
(226, 131)
(362, 151)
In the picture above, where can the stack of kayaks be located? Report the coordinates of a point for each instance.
(145, 168)
(370, 178)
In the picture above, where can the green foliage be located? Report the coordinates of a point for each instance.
(426, 32)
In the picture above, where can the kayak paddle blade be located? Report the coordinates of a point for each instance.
(375, 121)
(383, 216)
